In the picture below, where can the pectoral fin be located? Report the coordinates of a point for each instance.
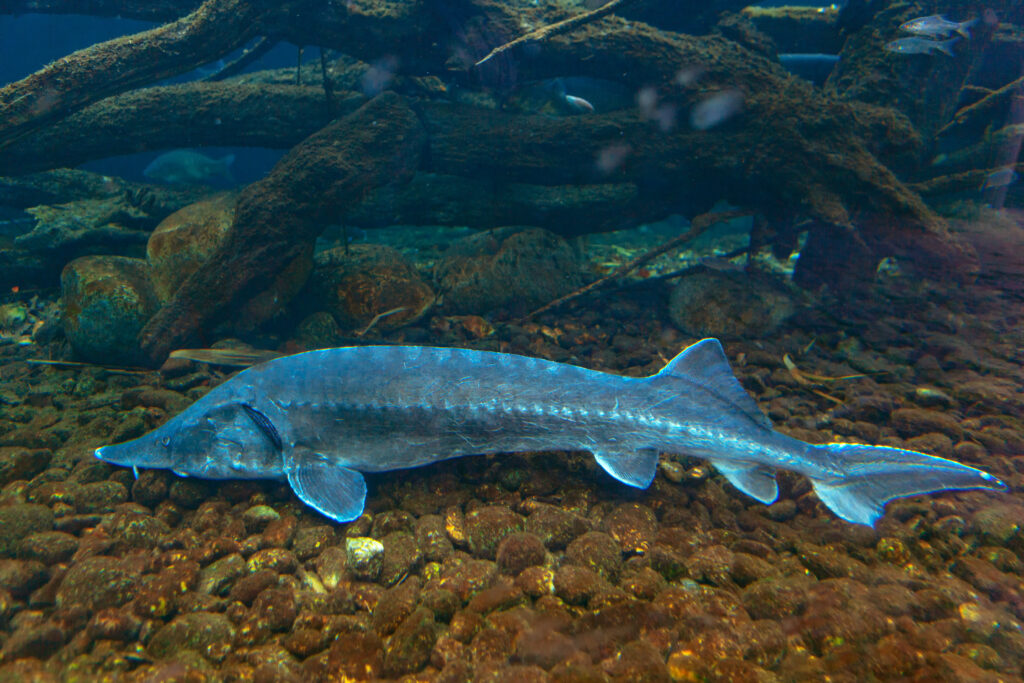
(635, 468)
(754, 480)
(336, 491)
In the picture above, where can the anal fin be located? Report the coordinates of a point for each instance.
(757, 481)
(334, 490)
(636, 468)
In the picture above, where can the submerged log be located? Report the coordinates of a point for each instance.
(279, 217)
(185, 115)
(115, 66)
(784, 149)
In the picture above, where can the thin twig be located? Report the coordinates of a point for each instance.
(698, 226)
(75, 364)
(377, 318)
(975, 179)
(646, 282)
(557, 28)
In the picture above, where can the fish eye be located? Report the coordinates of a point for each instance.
(166, 441)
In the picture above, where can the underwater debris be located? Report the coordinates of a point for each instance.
(812, 381)
(377, 318)
(555, 29)
(232, 357)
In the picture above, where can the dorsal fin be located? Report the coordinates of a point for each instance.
(704, 364)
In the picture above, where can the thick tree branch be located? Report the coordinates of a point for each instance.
(279, 217)
(99, 71)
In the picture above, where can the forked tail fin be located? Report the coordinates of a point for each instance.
(874, 475)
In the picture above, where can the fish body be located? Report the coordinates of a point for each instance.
(321, 418)
(1001, 178)
(921, 46)
(188, 167)
(569, 96)
(937, 26)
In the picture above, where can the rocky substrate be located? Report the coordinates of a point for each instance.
(536, 567)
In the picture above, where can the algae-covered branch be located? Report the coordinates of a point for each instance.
(689, 108)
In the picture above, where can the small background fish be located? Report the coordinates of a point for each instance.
(921, 46)
(188, 167)
(937, 26)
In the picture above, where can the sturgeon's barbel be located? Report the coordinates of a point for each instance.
(320, 418)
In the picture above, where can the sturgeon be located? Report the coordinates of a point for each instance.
(320, 419)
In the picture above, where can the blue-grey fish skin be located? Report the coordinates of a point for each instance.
(937, 26)
(320, 418)
(185, 166)
(921, 46)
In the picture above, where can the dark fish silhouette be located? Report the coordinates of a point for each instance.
(319, 419)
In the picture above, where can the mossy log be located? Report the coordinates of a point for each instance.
(792, 151)
(186, 115)
(279, 217)
(925, 87)
(115, 66)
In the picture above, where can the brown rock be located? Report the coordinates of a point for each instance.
(575, 584)
(106, 301)
(361, 281)
(395, 605)
(276, 608)
(206, 633)
(402, 557)
(20, 520)
(357, 656)
(501, 596)
(910, 422)
(518, 551)
(775, 598)
(408, 650)
(555, 527)
(188, 239)
(597, 551)
(711, 564)
(508, 267)
(633, 526)
(21, 577)
(33, 640)
(98, 582)
(487, 526)
(543, 647)
(639, 661)
(247, 588)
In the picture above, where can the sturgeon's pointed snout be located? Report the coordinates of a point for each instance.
(146, 451)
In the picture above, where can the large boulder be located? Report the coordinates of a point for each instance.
(512, 268)
(357, 284)
(189, 237)
(728, 304)
(106, 300)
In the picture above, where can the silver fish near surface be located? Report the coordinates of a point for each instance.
(320, 419)
(188, 167)
(922, 46)
(937, 26)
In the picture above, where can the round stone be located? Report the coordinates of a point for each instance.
(370, 284)
(511, 267)
(106, 301)
(713, 303)
(364, 557)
